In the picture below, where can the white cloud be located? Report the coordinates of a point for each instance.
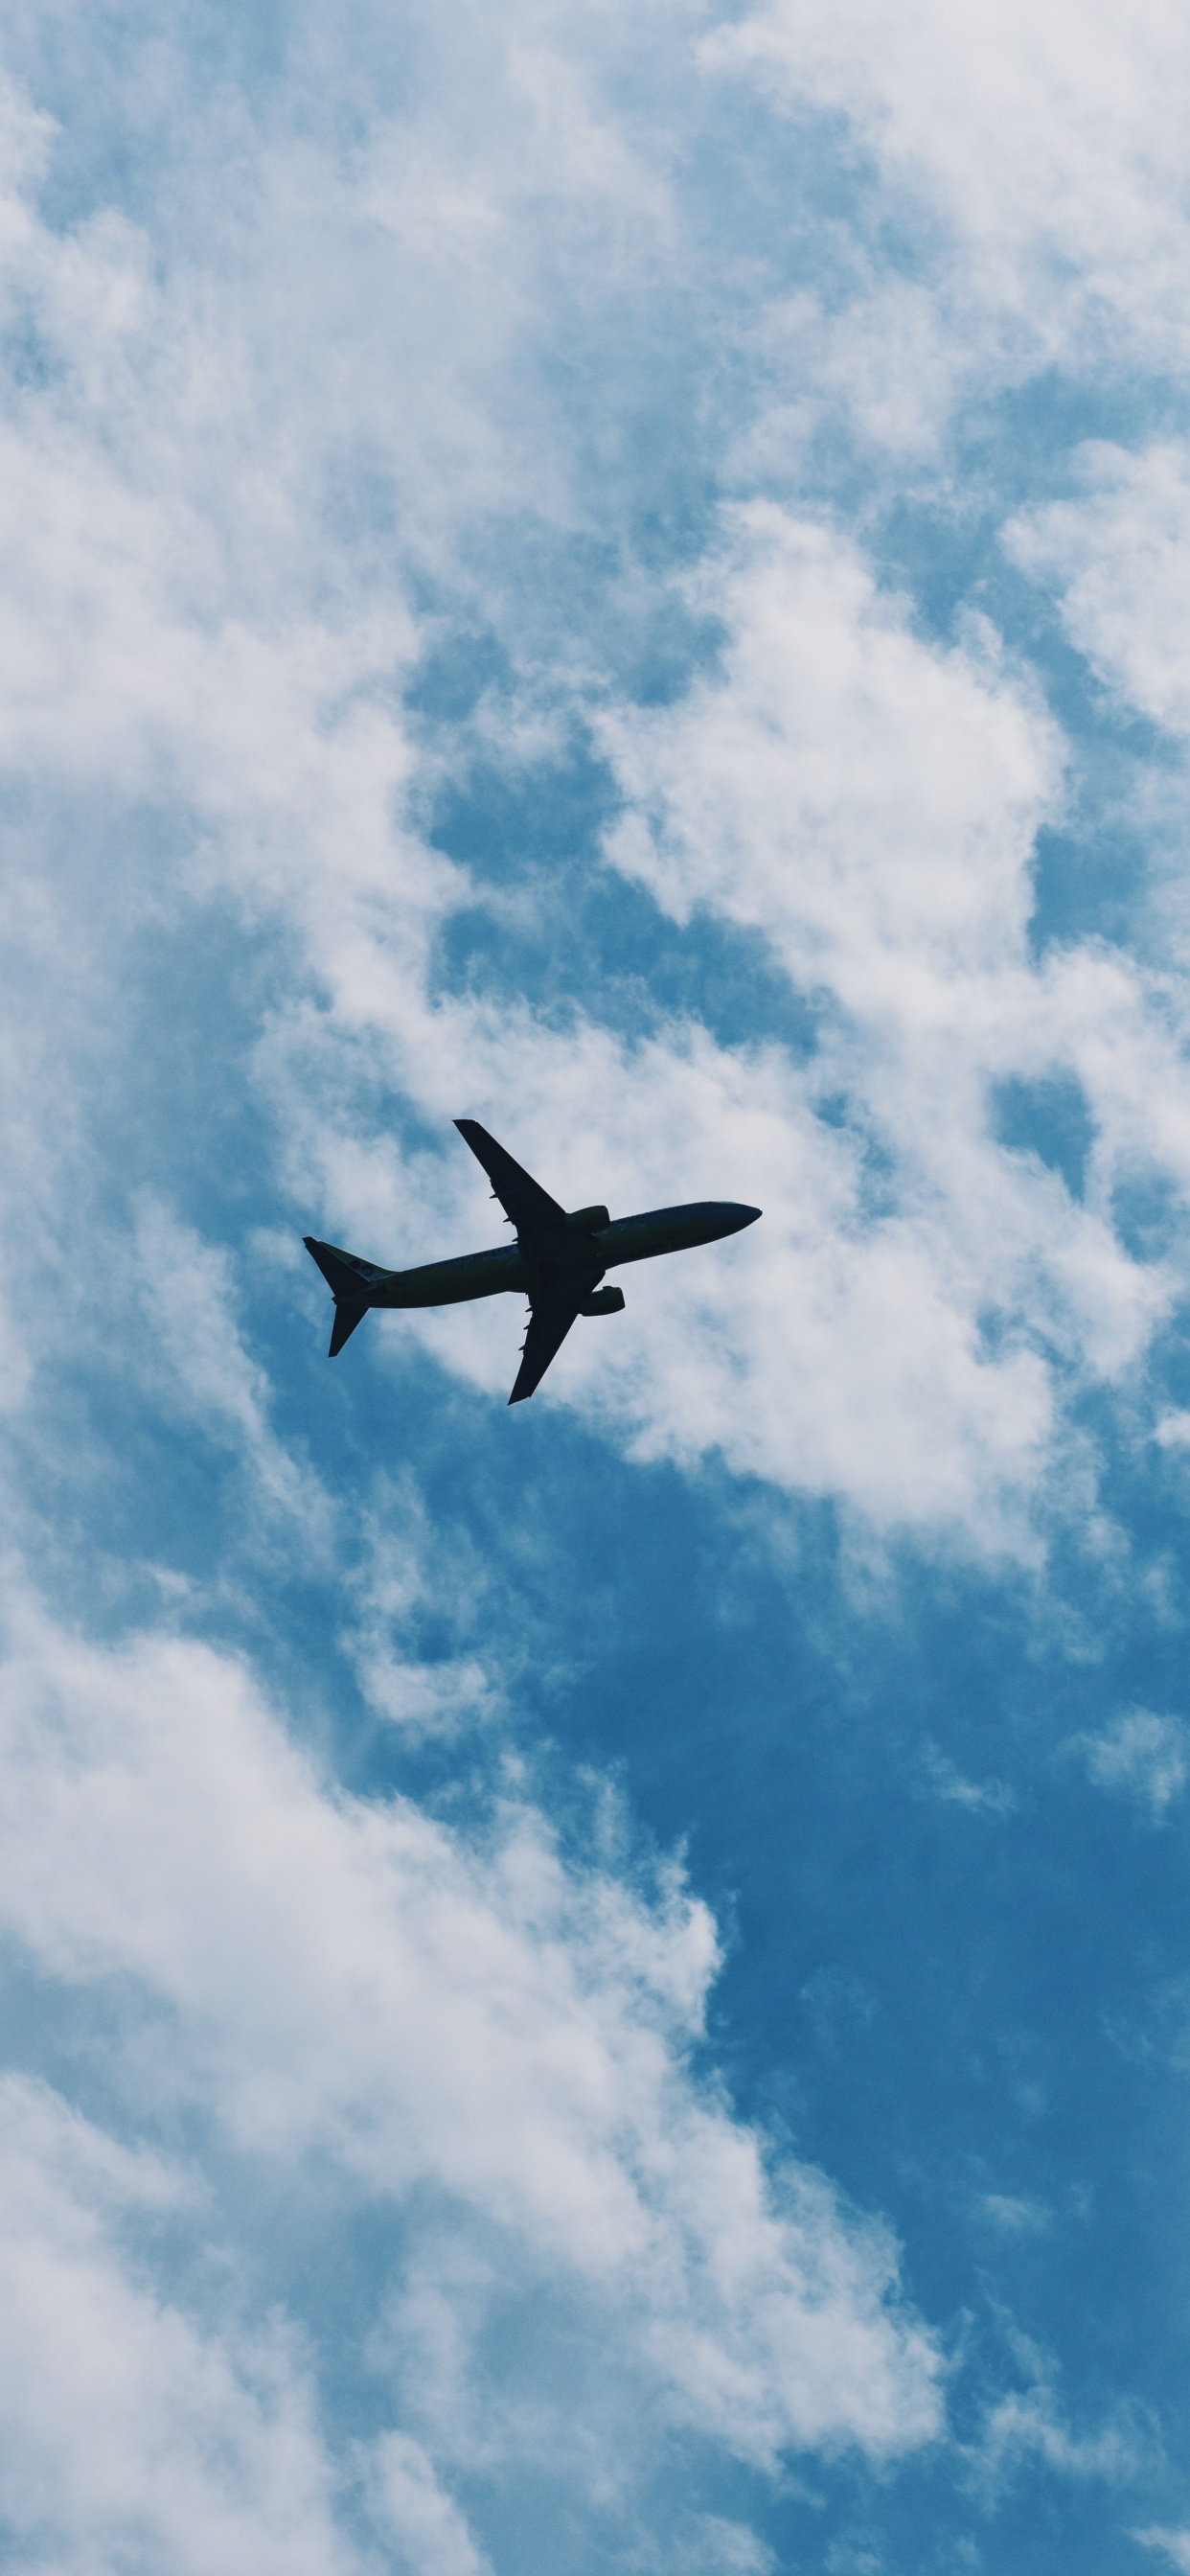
(1028, 2423)
(187, 1296)
(1044, 147)
(413, 1566)
(1142, 1756)
(313, 383)
(891, 359)
(854, 2557)
(421, 2525)
(946, 1782)
(1119, 555)
(1175, 2545)
(1015, 2217)
(720, 2548)
(128, 2433)
(350, 1981)
(865, 1339)
(870, 802)
(880, 873)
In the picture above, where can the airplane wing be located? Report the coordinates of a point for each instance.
(539, 1222)
(548, 1328)
(534, 1213)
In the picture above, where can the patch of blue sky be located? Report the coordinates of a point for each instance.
(1050, 1119)
(551, 919)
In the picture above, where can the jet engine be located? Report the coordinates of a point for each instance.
(606, 1301)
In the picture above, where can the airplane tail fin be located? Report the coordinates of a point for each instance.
(349, 1280)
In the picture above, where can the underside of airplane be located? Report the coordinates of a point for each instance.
(557, 1261)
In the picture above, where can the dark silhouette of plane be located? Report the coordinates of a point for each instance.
(556, 1262)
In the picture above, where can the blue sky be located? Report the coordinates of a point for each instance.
(603, 1987)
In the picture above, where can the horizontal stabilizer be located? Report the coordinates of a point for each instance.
(352, 1283)
(344, 1272)
(346, 1319)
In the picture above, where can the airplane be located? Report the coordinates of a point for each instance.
(556, 1262)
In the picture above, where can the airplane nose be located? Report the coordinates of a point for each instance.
(744, 1216)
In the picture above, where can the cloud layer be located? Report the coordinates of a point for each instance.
(472, 2029)
(534, 587)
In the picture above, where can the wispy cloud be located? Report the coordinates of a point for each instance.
(393, 429)
(132, 2427)
(1143, 1757)
(791, 790)
(1117, 555)
(1174, 2545)
(994, 1796)
(1029, 2424)
(1014, 2216)
(354, 1983)
(865, 799)
(1042, 152)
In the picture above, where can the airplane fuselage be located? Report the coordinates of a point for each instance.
(557, 1261)
(586, 1255)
